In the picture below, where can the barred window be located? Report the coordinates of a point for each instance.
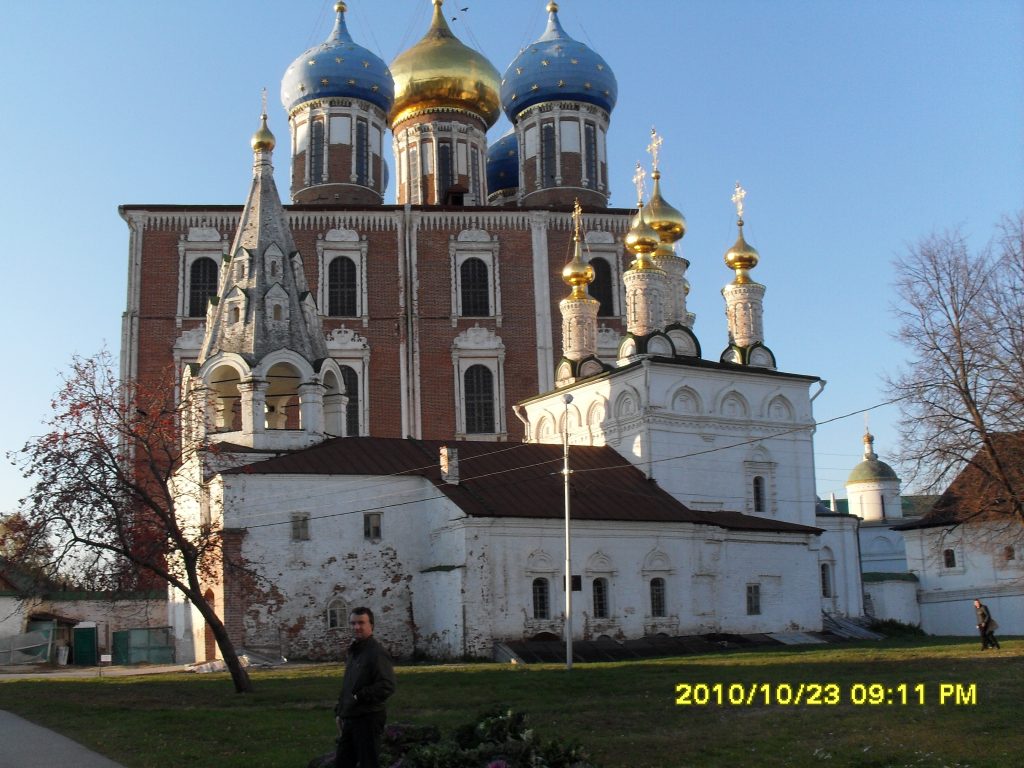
(541, 601)
(479, 389)
(371, 526)
(341, 288)
(826, 580)
(316, 152)
(474, 285)
(753, 599)
(601, 598)
(202, 286)
(657, 596)
(300, 526)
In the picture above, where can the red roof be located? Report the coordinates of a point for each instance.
(516, 480)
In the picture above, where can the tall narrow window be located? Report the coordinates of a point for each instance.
(753, 599)
(316, 152)
(826, 580)
(300, 526)
(202, 286)
(351, 381)
(601, 598)
(541, 602)
(479, 388)
(371, 526)
(590, 153)
(415, 175)
(758, 494)
(341, 287)
(601, 288)
(657, 596)
(362, 158)
(475, 288)
(474, 176)
(444, 169)
(547, 155)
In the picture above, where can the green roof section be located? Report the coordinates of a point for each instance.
(871, 470)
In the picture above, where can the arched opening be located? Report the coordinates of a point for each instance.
(342, 288)
(225, 399)
(283, 397)
(475, 288)
(601, 598)
(333, 408)
(479, 390)
(657, 597)
(826, 580)
(759, 505)
(601, 287)
(541, 599)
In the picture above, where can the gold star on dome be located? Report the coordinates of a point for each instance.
(574, 61)
(311, 62)
(374, 88)
(561, 83)
(600, 67)
(513, 97)
(737, 198)
(519, 70)
(558, 49)
(534, 87)
(655, 147)
(351, 81)
(366, 65)
(324, 81)
(587, 86)
(339, 59)
(302, 88)
(543, 62)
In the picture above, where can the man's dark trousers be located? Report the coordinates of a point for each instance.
(359, 743)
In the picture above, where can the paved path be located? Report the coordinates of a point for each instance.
(27, 745)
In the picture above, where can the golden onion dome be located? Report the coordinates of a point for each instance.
(263, 140)
(642, 240)
(441, 73)
(665, 219)
(577, 273)
(742, 257)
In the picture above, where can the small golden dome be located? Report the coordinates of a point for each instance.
(577, 273)
(263, 140)
(440, 72)
(642, 241)
(742, 257)
(665, 219)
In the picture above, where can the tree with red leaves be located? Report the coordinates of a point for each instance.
(108, 495)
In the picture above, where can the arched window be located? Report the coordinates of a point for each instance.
(541, 602)
(657, 596)
(202, 286)
(601, 288)
(362, 152)
(351, 381)
(341, 287)
(475, 288)
(547, 155)
(601, 598)
(316, 152)
(949, 558)
(758, 494)
(826, 580)
(479, 388)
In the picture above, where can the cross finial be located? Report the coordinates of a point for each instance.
(264, 96)
(638, 182)
(655, 147)
(577, 219)
(737, 198)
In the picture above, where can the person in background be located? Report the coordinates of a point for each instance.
(368, 682)
(986, 626)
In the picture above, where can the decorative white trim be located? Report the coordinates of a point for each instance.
(478, 244)
(479, 346)
(347, 243)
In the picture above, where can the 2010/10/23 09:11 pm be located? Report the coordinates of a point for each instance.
(825, 694)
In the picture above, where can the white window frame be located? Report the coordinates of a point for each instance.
(475, 244)
(346, 347)
(198, 244)
(479, 346)
(347, 243)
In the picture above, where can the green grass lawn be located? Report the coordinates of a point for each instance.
(624, 713)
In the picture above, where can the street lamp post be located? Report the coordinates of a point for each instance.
(567, 398)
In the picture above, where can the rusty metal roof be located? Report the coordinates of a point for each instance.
(514, 480)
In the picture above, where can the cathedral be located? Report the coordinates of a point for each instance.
(397, 392)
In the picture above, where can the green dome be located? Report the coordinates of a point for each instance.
(870, 471)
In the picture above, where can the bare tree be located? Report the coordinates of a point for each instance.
(106, 492)
(960, 315)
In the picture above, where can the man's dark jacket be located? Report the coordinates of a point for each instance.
(369, 680)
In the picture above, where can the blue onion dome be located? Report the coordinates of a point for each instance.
(503, 163)
(338, 68)
(557, 68)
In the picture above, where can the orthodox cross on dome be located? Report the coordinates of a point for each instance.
(264, 98)
(655, 147)
(737, 198)
(577, 219)
(638, 182)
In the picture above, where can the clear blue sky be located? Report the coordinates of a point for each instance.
(856, 127)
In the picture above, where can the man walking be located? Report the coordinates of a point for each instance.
(368, 682)
(986, 626)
